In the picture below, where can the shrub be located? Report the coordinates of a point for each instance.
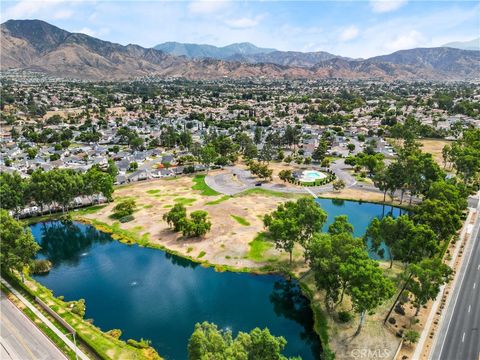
(189, 169)
(411, 336)
(126, 218)
(399, 309)
(142, 344)
(344, 316)
(78, 307)
(124, 208)
(392, 320)
(115, 333)
(40, 266)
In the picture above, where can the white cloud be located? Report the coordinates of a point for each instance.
(244, 22)
(87, 31)
(407, 41)
(62, 14)
(26, 9)
(349, 33)
(382, 6)
(206, 6)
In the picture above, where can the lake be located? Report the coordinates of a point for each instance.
(148, 293)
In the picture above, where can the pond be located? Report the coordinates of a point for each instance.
(360, 214)
(148, 293)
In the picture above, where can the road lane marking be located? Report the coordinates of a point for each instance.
(474, 284)
(18, 336)
(468, 308)
(463, 337)
(458, 282)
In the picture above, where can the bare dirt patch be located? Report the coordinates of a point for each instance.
(228, 241)
(431, 146)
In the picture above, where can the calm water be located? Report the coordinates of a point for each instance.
(151, 294)
(360, 214)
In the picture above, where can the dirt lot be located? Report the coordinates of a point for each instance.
(226, 243)
(432, 146)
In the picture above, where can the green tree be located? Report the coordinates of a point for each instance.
(328, 255)
(368, 287)
(338, 184)
(427, 277)
(442, 217)
(112, 169)
(197, 225)
(98, 182)
(176, 217)
(340, 226)
(17, 248)
(13, 191)
(124, 208)
(32, 152)
(285, 175)
(209, 342)
(405, 240)
(321, 151)
(208, 155)
(295, 222)
(411, 336)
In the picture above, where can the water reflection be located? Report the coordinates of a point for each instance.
(177, 260)
(289, 302)
(66, 242)
(338, 202)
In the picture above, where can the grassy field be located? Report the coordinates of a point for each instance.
(201, 186)
(258, 247)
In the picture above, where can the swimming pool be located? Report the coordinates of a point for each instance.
(311, 175)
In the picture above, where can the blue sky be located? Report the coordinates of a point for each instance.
(349, 28)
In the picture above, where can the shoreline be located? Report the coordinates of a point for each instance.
(319, 318)
(322, 324)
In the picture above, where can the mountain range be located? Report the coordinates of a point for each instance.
(245, 52)
(38, 46)
(201, 51)
(465, 45)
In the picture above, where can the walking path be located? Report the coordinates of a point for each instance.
(235, 180)
(47, 322)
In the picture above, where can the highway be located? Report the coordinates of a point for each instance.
(459, 336)
(20, 339)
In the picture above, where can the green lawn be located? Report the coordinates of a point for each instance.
(201, 186)
(89, 210)
(267, 192)
(184, 201)
(153, 191)
(219, 200)
(240, 220)
(258, 247)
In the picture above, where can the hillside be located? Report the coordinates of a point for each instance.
(38, 46)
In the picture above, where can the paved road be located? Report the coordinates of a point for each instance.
(459, 336)
(20, 339)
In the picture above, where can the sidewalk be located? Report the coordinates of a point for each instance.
(47, 322)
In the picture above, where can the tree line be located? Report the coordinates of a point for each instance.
(56, 188)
